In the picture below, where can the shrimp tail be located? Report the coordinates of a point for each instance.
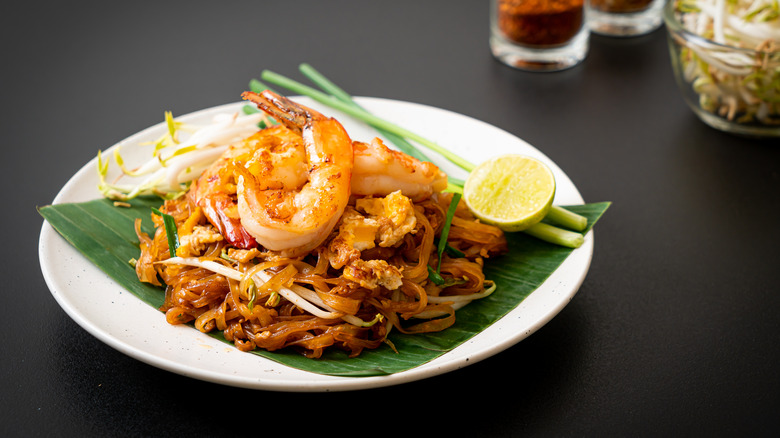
(292, 115)
(284, 188)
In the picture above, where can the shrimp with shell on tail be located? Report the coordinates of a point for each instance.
(286, 187)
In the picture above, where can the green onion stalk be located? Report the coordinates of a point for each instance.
(171, 233)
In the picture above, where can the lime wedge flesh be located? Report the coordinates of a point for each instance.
(513, 192)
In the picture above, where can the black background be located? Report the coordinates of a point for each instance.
(675, 330)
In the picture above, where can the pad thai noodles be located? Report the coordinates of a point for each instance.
(298, 236)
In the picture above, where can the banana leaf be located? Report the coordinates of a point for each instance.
(104, 234)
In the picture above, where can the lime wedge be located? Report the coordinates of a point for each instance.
(511, 191)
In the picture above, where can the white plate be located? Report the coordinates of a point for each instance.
(127, 324)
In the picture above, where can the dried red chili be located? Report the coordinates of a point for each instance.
(620, 6)
(540, 22)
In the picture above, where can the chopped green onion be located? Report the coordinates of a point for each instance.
(170, 231)
(435, 277)
(445, 231)
(454, 252)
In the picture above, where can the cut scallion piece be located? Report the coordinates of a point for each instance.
(170, 231)
(445, 231)
(435, 277)
(454, 252)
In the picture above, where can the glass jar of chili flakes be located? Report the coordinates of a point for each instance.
(542, 35)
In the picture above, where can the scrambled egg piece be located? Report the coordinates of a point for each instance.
(243, 255)
(385, 223)
(395, 214)
(373, 222)
(356, 233)
(195, 242)
(373, 273)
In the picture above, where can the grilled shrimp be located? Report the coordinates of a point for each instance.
(284, 189)
(297, 221)
(215, 191)
(379, 171)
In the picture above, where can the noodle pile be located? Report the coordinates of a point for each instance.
(339, 295)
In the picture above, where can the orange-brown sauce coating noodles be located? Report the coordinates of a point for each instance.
(257, 316)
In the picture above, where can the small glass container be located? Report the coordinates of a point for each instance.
(538, 35)
(624, 18)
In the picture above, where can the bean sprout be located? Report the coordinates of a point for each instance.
(176, 161)
(306, 299)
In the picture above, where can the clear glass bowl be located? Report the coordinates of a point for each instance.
(732, 89)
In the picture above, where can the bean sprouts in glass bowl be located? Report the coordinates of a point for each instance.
(726, 58)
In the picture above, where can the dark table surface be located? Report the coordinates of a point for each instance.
(675, 330)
